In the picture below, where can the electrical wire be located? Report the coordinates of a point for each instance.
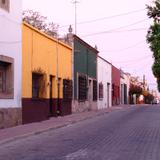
(126, 48)
(108, 17)
(135, 60)
(134, 64)
(10, 42)
(129, 30)
(115, 29)
(11, 20)
(15, 22)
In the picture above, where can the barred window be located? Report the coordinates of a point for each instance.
(100, 90)
(94, 90)
(67, 89)
(82, 88)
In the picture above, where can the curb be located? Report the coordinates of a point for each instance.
(3, 142)
(49, 129)
(29, 134)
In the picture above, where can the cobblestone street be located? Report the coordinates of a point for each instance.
(128, 134)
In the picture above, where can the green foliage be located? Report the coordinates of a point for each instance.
(156, 69)
(153, 38)
(154, 11)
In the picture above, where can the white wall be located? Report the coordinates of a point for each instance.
(124, 80)
(104, 76)
(10, 45)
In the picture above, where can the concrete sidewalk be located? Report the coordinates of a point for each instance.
(22, 131)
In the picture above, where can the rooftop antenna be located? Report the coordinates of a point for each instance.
(75, 2)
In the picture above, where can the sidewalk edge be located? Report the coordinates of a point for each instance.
(49, 129)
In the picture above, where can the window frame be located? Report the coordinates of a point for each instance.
(5, 5)
(39, 77)
(82, 92)
(7, 66)
(101, 91)
(94, 90)
(67, 90)
(3, 70)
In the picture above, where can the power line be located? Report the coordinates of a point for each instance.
(108, 17)
(115, 29)
(10, 20)
(129, 30)
(112, 31)
(126, 48)
(118, 31)
(10, 42)
(131, 60)
(134, 64)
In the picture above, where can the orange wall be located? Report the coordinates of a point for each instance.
(40, 52)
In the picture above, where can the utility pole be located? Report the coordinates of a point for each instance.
(144, 81)
(75, 6)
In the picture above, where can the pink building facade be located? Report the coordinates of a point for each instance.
(115, 86)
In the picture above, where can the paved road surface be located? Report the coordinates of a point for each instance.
(130, 134)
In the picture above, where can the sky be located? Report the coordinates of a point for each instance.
(117, 27)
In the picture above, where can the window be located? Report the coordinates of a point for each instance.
(3, 70)
(6, 77)
(3, 1)
(118, 91)
(94, 90)
(4, 4)
(36, 85)
(67, 89)
(113, 90)
(100, 90)
(82, 88)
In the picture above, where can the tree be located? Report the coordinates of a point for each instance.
(134, 89)
(153, 37)
(40, 22)
(52, 29)
(148, 98)
(153, 11)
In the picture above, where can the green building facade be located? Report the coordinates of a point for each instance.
(85, 76)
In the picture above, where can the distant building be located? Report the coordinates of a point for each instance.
(104, 83)
(115, 86)
(124, 87)
(10, 62)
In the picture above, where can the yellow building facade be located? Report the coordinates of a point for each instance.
(46, 76)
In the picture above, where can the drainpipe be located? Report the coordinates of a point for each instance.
(87, 78)
(70, 39)
(73, 72)
(57, 80)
